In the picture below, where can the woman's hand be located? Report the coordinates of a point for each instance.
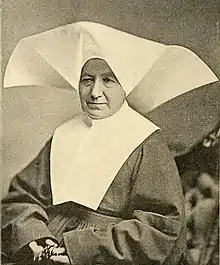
(37, 250)
(51, 251)
(61, 259)
(58, 254)
(40, 252)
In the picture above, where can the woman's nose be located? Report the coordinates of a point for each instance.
(97, 89)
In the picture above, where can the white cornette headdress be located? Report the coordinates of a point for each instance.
(85, 159)
(54, 58)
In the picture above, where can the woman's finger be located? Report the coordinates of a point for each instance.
(36, 249)
(61, 259)
(50, 242)
(58, 251)
(33, 244)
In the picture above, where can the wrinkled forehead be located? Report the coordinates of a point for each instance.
(96, 66)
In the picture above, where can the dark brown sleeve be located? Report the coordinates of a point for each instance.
(154, 233)
(24, 216)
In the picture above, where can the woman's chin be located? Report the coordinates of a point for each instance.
(96, 114)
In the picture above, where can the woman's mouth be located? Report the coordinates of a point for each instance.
(95, 105)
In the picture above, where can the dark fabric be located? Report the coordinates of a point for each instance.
(146, 194)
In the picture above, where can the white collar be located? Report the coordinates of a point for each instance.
(85, 159)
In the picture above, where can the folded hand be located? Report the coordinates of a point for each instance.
(51, 251)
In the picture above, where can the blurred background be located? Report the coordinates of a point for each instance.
(193, 24)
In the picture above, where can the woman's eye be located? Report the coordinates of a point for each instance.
(86, 81)
(109, 81)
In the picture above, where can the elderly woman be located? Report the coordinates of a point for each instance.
(104, 190)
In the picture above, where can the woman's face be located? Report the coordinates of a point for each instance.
(100, 93)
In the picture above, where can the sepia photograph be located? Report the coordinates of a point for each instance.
(110, 132)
